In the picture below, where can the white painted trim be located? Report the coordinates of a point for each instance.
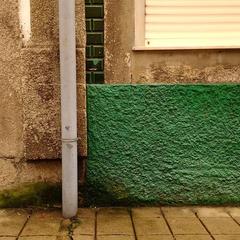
(144, 48)
(139, 22)
(25, 19)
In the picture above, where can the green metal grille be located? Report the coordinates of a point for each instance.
(95, 41)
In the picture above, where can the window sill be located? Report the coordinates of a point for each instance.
(144, 48)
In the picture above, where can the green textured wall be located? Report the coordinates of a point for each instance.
(168, 144)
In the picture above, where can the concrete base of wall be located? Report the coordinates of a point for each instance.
(15, 172)
(29, 183)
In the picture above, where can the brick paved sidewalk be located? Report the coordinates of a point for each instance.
(196, 223)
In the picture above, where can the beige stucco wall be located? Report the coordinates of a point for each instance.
(30, 145)
(122, 65)
(11, 122)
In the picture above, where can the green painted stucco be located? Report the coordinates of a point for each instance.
(168, 144)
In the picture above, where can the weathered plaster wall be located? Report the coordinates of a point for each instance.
(11, 122)
(30, 94)
(122, 65)
(41, 82)
(168, 144)
(118, 40)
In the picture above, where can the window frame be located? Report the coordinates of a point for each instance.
(139, 38)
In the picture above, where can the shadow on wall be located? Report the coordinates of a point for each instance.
(35, 194)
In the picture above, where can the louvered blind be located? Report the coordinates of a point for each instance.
(192, 23)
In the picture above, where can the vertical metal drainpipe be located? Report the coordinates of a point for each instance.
(68, 107)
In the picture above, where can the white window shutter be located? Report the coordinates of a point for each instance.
(192, 23)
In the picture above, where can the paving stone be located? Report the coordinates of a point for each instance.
(43, 223)
(211, 212)
(155, 237)
(38, 238)
(113, 212)
(119, 237)
(237, 219)
(86, 213)
(7, 238)
(63, 238)
(178, 212)
(83, 237)
(113, 222)
(86, 226)
(193, 237)
(187, 226)
(234, 211)
(221, 225)
(146, 212)
(151, 226)
(113, 226)
(12, 221)
(227, 237)
(64, 227)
